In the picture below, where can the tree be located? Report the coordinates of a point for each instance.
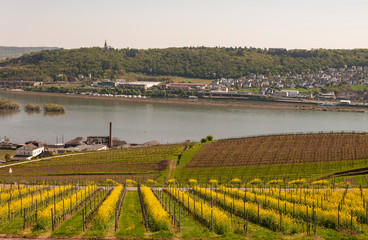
(7, 157)
(209, 138)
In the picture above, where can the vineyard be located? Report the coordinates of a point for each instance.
(136, 163)
(280, 156)
(211, 211)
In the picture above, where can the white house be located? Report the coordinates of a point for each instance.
(28, 151)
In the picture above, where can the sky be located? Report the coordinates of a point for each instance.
(291, 24)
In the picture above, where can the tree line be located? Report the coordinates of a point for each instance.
(193, 62)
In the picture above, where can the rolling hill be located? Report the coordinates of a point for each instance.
(13, 52)
(310, 156)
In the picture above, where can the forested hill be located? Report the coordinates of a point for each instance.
(199, 62)
(11, 52)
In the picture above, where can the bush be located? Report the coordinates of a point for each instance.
(209, 138)
(203, 140)
(31, 107)
(50, 107)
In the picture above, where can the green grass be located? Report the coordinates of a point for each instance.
(3, 152)
(131, 77)
(252, 90)
(142, 162)
(359, 87)
(186, 158)
(12, 227)
(73, 226)
(270, 172)
(131, 223)
(190, 229)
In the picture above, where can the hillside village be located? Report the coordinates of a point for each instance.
(346, 83)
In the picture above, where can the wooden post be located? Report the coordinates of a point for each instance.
(280, 222)
(36, 212)
(116, 219)
(211, 220)
(179, 219)
(246, 223)
(338, 217)
(24, 219)
(201, 211)
(351, 220)
(52, 219)
(83, 218)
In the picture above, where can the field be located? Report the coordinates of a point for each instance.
(224, 212)
(290, 157)
(337, 156)
(306, 186)
(3, 152)
(135, 163)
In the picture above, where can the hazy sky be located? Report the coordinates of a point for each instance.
(175, 23)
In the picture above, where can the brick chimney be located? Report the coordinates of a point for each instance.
(110, 138)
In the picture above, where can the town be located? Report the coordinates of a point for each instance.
(345, 84)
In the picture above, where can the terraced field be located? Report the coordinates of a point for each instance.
(136, 163)
(280, 156)
(288, 157)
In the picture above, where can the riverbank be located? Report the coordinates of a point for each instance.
(208, 102)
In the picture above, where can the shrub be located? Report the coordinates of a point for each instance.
(31, 107)
(209, 138)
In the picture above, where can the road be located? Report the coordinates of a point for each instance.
(41, 159)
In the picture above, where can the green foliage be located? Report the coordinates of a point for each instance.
(50, 107)
(7, 157)
(203, 140)
(31, 107)
(209, 138)
(195, 62)
(9, 104)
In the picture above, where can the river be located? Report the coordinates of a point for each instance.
(139, 122)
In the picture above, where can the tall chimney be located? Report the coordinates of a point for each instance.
(110, 139)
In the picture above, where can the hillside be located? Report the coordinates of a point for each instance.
(137, 163)
(13, 52)
(192, 62)
(310, 156)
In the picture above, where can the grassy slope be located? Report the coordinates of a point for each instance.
(131, 222)
(144, 162)
(131, 160)
(269, 172)
(3, 152)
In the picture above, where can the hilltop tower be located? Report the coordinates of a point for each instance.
(107, 47)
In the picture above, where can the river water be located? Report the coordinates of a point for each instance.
(138, 122)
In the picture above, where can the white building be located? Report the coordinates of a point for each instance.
(28, 151)
(145, 85)
(291, 93)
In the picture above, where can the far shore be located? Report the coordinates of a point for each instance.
(207, 102)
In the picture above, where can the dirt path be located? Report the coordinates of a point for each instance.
(41, 159)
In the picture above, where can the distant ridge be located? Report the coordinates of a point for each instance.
(11, 51)
(189, 62)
